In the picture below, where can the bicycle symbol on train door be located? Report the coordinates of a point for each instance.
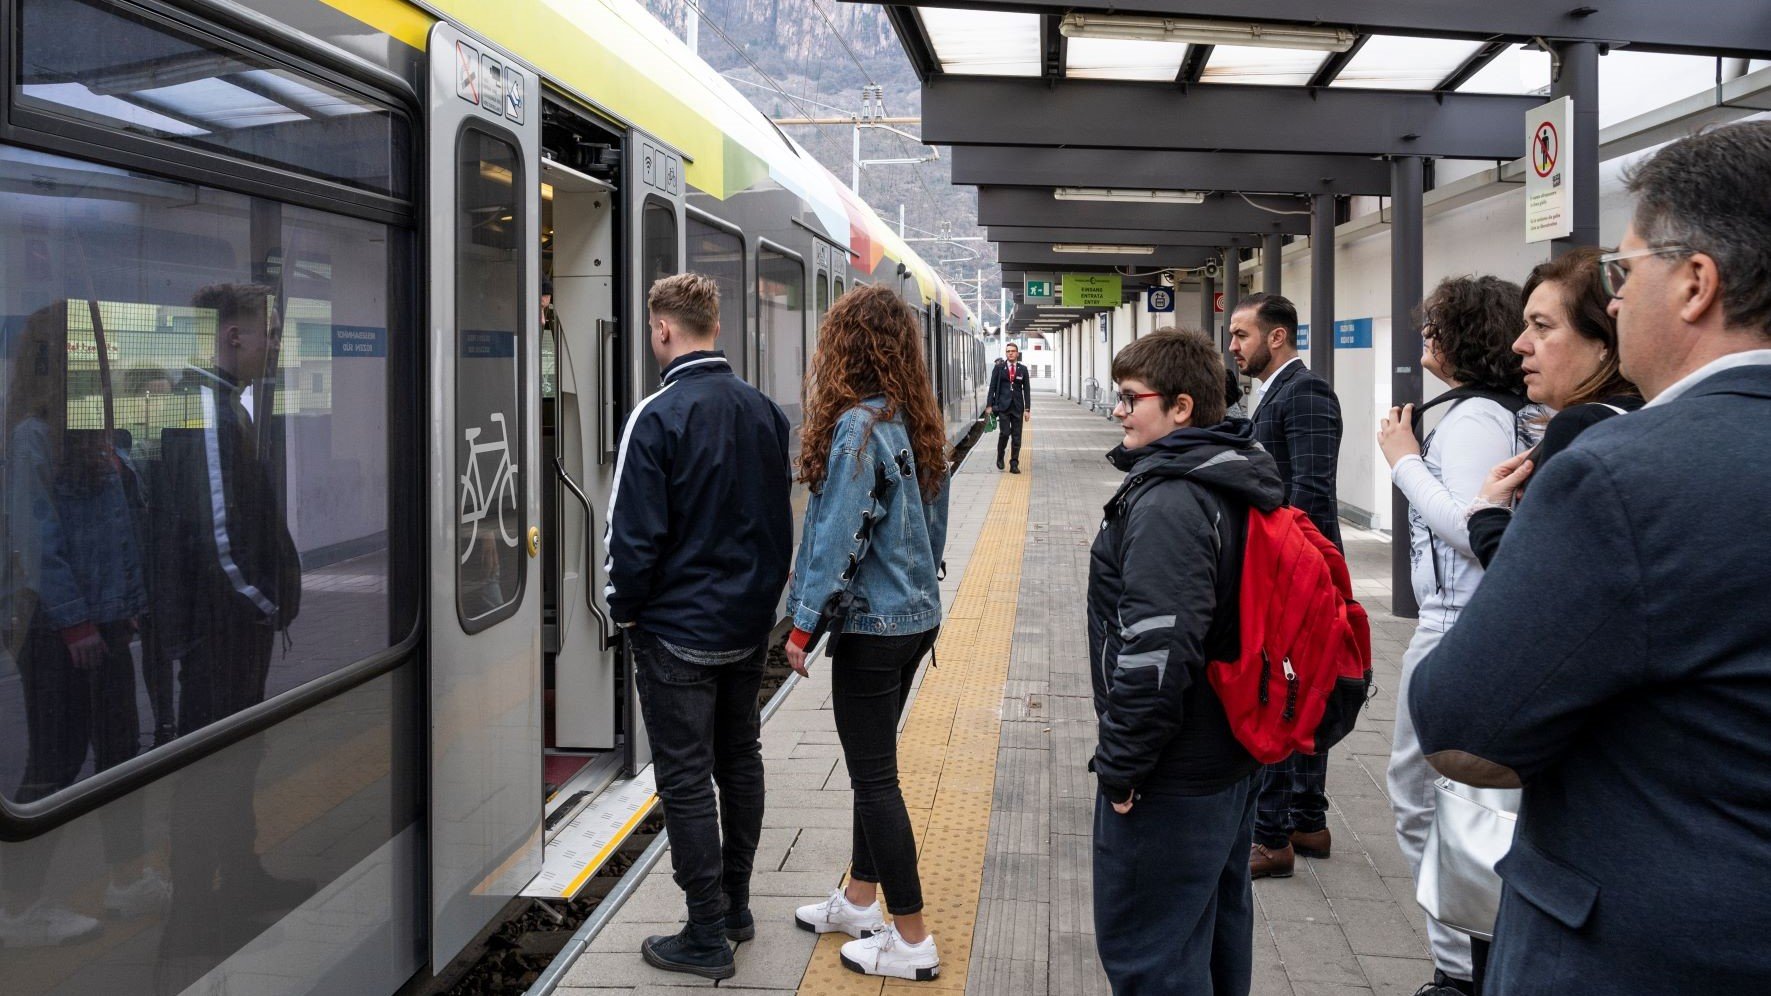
(479, 499)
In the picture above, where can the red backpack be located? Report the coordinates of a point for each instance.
(1305, 664)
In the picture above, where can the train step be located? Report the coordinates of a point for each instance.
(574, 853)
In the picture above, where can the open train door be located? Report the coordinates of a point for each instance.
(485, 585)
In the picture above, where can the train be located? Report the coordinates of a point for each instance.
(321, 320)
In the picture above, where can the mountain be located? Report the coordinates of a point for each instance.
(811, 58)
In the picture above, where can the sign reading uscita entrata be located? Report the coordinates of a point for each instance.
(1091, 290)
(1549, 181)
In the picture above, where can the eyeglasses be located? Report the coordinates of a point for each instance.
(1130, 399)
(1612, 272)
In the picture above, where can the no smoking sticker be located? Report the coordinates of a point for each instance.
(467, 72)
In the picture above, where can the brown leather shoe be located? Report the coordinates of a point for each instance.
(1315, 844)
(1270, 862)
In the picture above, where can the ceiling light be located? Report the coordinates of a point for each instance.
(1196, 32)
(1128, 196)
(1105, 250)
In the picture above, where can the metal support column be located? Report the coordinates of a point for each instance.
(1579, 80)
(1272, 247)
(1322, 287)
(1232, 291)
(1407, 215)
(1208, 292)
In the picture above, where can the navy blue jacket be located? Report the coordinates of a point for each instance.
(1006, 397)
(1299, 423)
(700, 521)
(1617, 661)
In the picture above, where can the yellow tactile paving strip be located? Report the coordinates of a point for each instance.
(947, 753)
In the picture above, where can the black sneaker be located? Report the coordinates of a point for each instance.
(1445, 985)
(1014, 468)
(697, 949)
(999, 461)
(740, 926)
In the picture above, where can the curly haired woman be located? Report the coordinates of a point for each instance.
(874, 453)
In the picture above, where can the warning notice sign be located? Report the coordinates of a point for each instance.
(1549, 182)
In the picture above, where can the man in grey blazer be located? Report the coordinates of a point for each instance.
(1616, 661)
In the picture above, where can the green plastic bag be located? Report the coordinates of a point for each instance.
(990, 422)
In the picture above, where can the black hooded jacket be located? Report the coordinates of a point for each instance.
(1162, 585)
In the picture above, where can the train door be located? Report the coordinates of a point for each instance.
(485, 605)
(654, 199)
(578, 395)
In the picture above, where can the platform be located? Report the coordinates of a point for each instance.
(993, 755)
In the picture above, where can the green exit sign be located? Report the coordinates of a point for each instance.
(1039, 288)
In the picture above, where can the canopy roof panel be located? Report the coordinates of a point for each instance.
(1396, 62)
(983, 42)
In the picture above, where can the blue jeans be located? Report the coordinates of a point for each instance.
(1174, 909)
(706, 728)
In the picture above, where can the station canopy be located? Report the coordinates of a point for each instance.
(1154, 127)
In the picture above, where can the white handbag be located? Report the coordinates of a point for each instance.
(1472, 830)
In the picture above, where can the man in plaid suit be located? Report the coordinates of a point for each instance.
(1297, 419)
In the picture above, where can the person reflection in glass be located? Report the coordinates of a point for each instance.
(227, 580)
(75, 594)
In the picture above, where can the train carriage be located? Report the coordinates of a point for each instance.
(352, 673)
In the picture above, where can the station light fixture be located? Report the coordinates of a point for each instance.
(1113, 196)
(1198, 32)
(1100, 250)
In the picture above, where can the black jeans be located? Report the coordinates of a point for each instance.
(706, 728)
(870, 680)
(1008, 429)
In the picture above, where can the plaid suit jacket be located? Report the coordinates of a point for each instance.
(1299, 423)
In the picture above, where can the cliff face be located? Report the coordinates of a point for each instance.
(799, 44)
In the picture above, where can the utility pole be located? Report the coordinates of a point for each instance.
(900, 221)
(692, 29)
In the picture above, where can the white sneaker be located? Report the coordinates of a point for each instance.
(837, 913)
(149, 894)
(43, 925)
(886, 953)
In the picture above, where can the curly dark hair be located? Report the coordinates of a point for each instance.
(1472, 322)
(871, 344)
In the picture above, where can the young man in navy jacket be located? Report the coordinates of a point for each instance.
(699, 541)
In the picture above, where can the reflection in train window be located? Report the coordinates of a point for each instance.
(195, 458)
(95, 64)
(719, 254)
(489, 312)
(781, 305)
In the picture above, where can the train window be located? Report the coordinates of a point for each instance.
(823, 282)
(838, 296)
(196, 462)
(780, 323)
(719, 254)
(657, 260)
(93, 62)
(489, 311)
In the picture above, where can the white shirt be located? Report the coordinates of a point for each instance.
(1748, 358)
(1269, 379)
(1473, 436)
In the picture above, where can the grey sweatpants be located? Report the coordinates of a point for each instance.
(1412, 798)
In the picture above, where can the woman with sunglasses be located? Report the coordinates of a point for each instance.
(1569, 347)
(874, 453)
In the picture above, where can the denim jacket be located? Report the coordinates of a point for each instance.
(895, 585)
(73, 545)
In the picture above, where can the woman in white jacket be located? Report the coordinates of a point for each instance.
(1467, 332)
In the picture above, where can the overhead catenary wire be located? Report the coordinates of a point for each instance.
(844, 42)
(735, 47)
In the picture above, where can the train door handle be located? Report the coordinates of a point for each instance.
(589, 573)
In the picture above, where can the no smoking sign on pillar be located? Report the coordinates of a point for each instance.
(1549, 181)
